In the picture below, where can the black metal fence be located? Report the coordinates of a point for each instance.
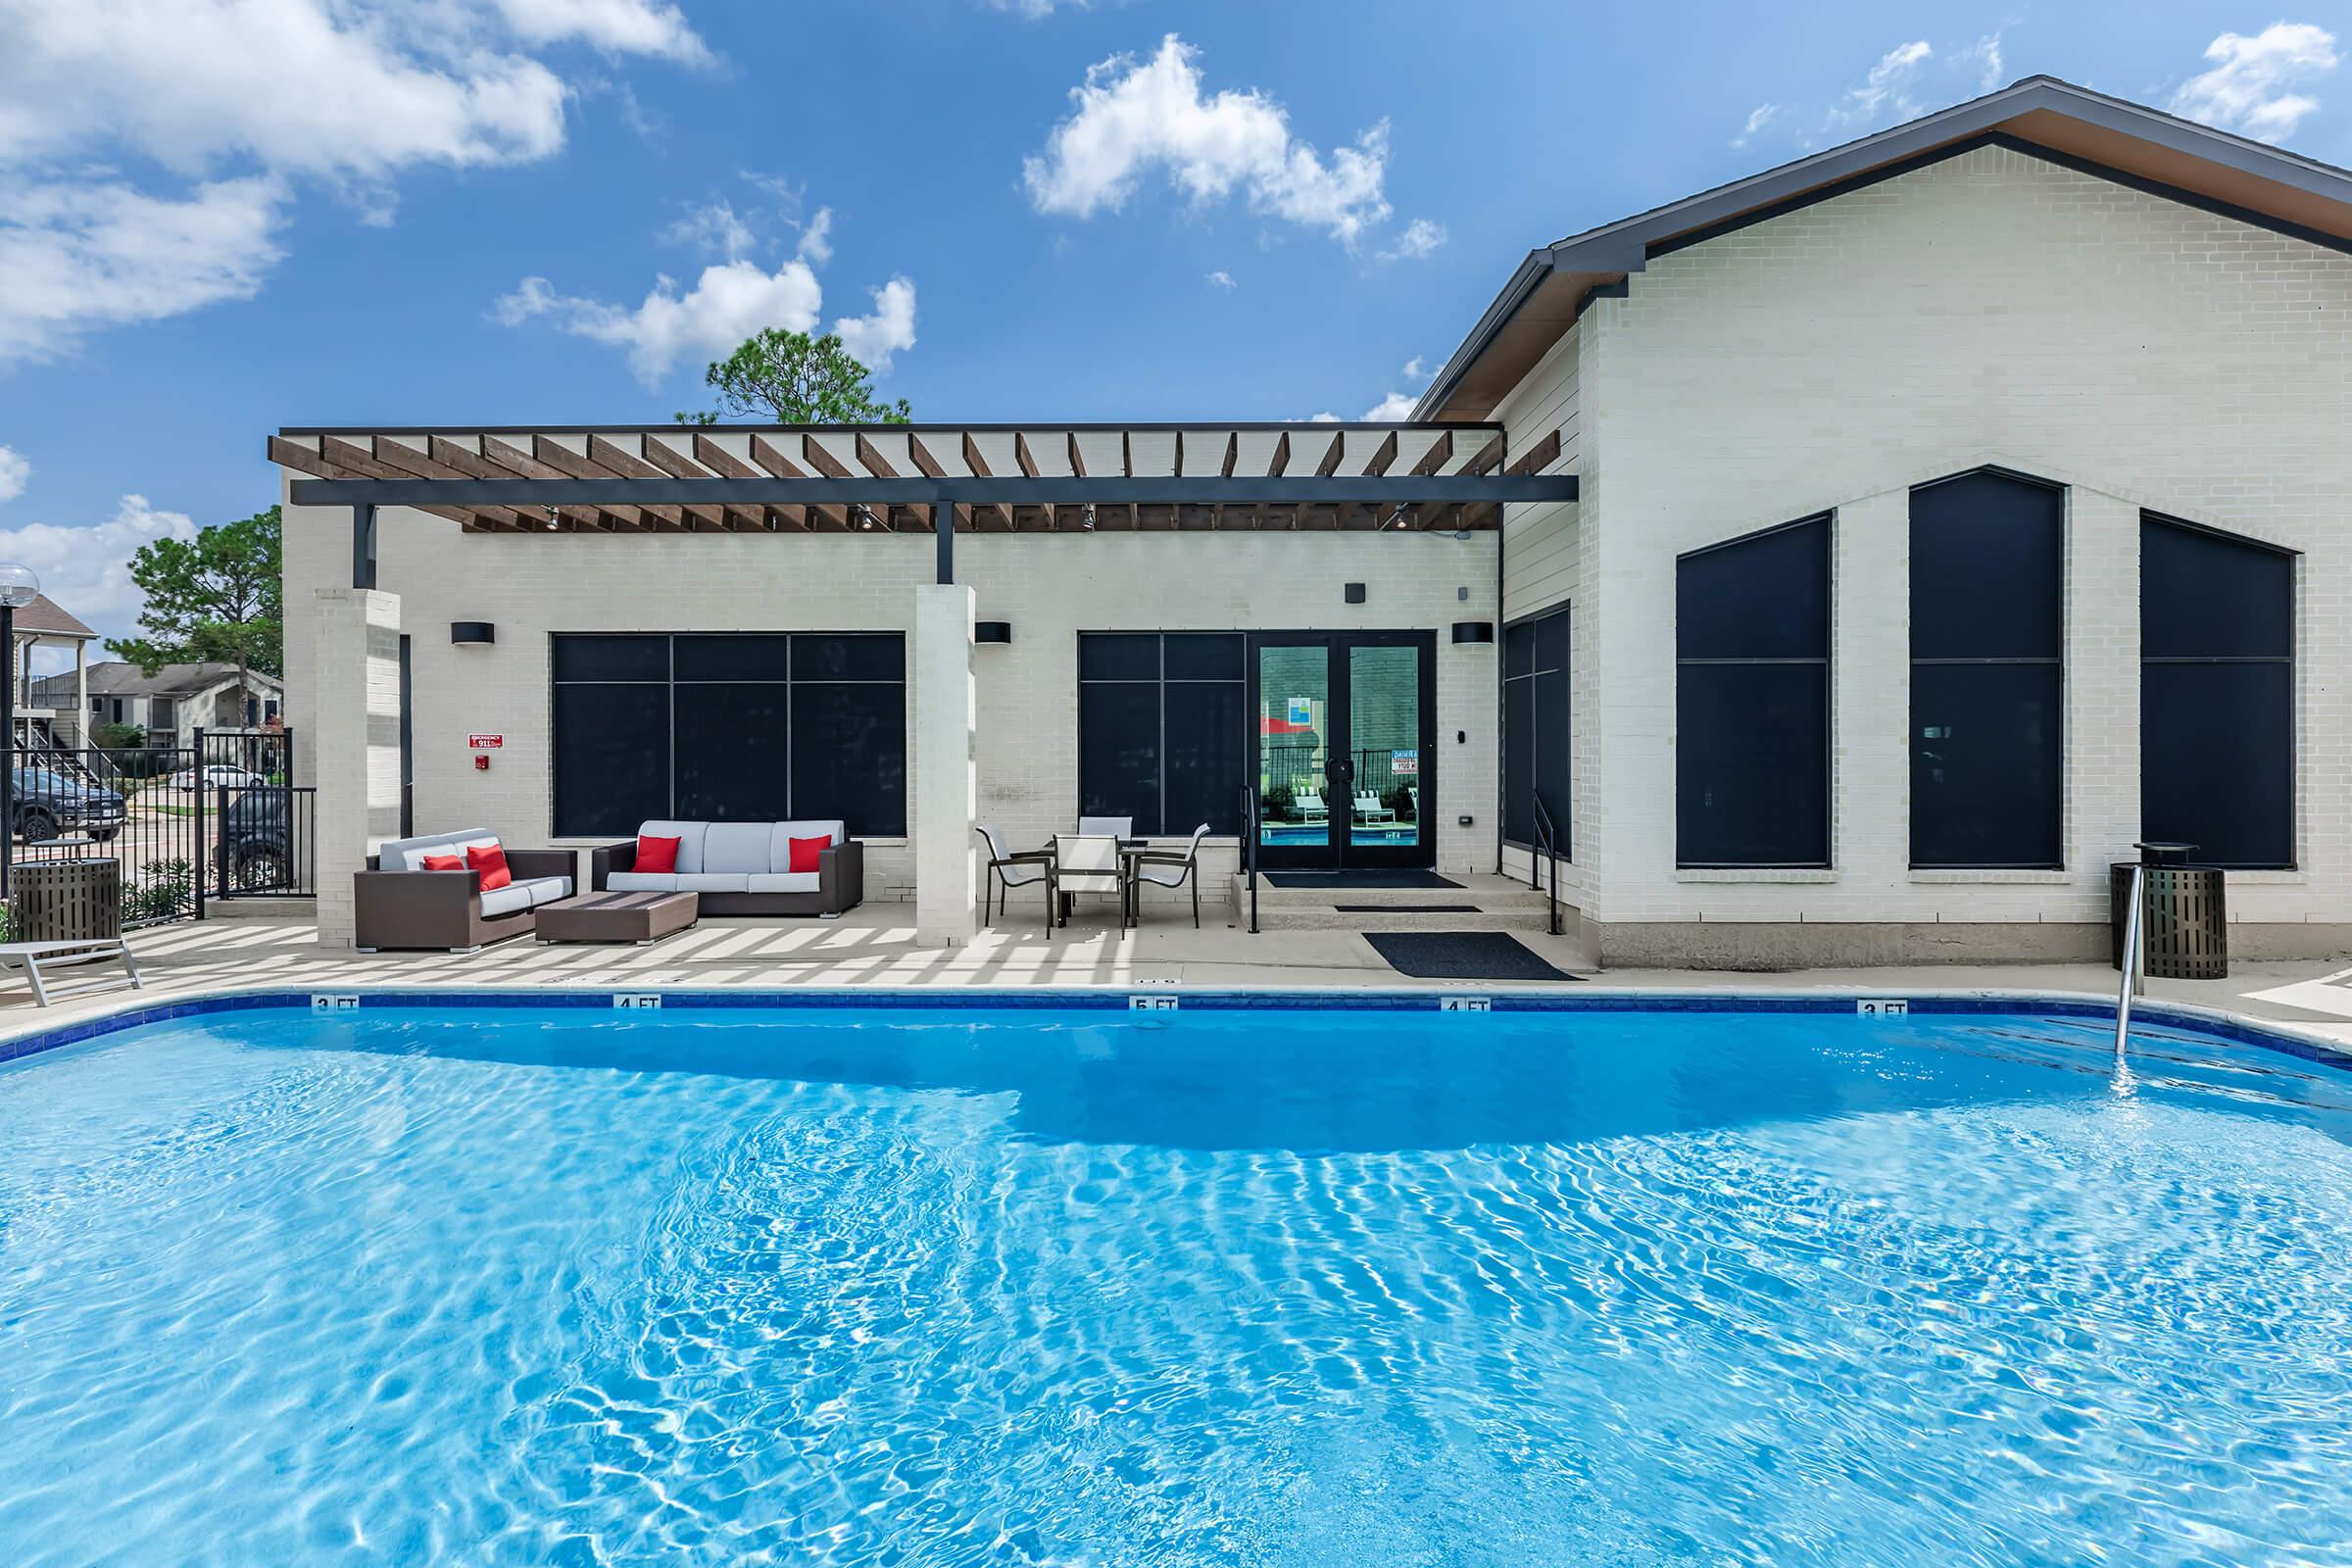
(1392, 777)
(216, 819)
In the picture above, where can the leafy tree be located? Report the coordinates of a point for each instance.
(216, 597)
(794, 379)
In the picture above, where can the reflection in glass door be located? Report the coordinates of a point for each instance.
(1294, 729)
(1344, 736)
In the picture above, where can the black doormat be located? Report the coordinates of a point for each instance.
(1341, 881)
(1461, 955)
(1406, 909)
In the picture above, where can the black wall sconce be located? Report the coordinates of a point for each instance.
(991, 631)
(472, 633)
(1355, 593)
(1473, 631)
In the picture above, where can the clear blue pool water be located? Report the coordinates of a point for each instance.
(835, 1287)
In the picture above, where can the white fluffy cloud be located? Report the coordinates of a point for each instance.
(237, 100)
(15, 469)
(1396, 405)
(1758, 118)
(728, 303)
(873, 338)
(1888, 86)
(2251, 85)
(87, 568)
(1138, 117)
(78, 256)
(1221, 278)
(1420, 237)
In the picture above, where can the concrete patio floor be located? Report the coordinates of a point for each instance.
(875, 945)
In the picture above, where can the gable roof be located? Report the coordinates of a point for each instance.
(2111, 138)
(120, 678)
(46, 617)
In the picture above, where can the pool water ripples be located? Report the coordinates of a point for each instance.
(839, 1287)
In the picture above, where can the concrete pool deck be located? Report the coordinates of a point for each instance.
(875, 945)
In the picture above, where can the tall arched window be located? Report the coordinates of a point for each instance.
(2217, 694)
(1987, 671)
(1751, 637)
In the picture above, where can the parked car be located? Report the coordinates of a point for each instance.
(217, 776)
(257, 842)
(47, 804)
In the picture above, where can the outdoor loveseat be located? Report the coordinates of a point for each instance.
(399, 903)
(742, 867)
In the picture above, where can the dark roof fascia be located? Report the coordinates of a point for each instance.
(1623, 246)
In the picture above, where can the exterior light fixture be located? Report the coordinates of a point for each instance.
(1088, 521)
(1473, 631)
(472, 633)
(18, 586)
(991, 631)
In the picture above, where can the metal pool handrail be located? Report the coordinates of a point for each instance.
(2132, 958)
(1547, 845)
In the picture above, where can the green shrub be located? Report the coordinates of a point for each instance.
(166, 891)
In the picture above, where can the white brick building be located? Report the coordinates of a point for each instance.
(2137, 332)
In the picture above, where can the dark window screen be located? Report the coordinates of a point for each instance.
(1163, 734)
(1987, 671)
(729, 727)
(1752, 700)
(2216, 694)
(1534, 728)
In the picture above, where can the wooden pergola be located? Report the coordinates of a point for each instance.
(926, 478)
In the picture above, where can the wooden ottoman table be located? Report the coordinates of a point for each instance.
(616, 918)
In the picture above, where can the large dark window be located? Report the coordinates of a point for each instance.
(1987, 671)
(2216, 694)
(1534, 728)
(1751, 636)
(1162, 733)
(731, 727)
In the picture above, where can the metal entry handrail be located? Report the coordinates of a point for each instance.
(2133, 957)
(1547, 844)
(1249, 848)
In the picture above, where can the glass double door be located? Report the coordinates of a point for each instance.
(1346, 745)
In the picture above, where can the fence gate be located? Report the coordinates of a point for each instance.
(184, 824)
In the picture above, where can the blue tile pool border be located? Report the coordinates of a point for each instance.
(2213, 1023)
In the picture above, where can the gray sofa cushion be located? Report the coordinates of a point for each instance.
(408, 855)
(690, 840)
(546, 889)
(642, 882)
(781, 835)
(506, 900)
(785, 882)
(714, 882)
(738, 848)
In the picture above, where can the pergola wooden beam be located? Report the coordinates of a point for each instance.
(613, 458)
(555, 455)
(670, 461)
(1440, 451)
(462, 458)
(1384, 457)
(293, 455)
(978, 465)
(768, 455)
(399, 458)
(1331, 460)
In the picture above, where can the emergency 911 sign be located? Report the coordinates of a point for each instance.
(485, 743)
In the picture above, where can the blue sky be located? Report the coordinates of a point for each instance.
(217, 217)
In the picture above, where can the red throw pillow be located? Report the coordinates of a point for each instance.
(804, 852)
(491, 862)
(445, 862)
(657, 855)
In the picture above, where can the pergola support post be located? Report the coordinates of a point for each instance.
(947, 777)
(943, 523)
(362, 547)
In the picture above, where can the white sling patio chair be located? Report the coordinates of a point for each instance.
(1087, 862)
(1369, 809)
(38, 959)
(1016, 869)
(1308, 803)
(1165, 868)
(1118, 827)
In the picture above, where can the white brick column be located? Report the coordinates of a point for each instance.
(355, 724)
(946, 777)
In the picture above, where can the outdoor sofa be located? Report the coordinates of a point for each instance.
(397, 902)
(742, 867)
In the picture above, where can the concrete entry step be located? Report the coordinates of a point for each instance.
(1482, 903)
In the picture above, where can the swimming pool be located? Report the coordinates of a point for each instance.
(1060, 1283)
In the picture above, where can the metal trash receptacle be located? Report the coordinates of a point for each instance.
(66, 901)
(2185, 916)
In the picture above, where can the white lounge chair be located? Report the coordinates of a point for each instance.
(1087, 862)
(37, 959)
(1369, 809)
(1308, 803)
(1165, 868)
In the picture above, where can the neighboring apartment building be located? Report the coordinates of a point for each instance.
(172, 704)
(41, 720)
(1927, 522)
